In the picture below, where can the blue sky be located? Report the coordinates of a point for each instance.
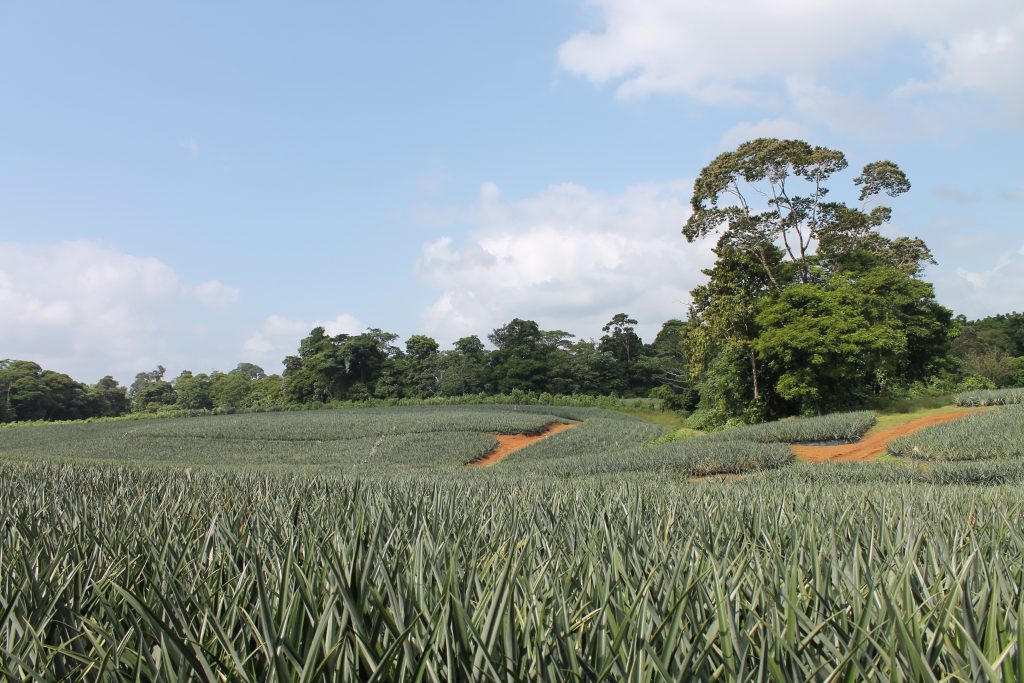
(198, 184)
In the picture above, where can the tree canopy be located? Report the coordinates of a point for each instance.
(808, 307)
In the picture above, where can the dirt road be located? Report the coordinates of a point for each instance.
(510, 443)
(874, 442)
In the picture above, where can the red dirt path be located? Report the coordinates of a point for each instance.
(874, 442)
(510, 443)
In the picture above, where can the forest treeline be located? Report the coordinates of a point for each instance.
(985, 353)
(807, 309)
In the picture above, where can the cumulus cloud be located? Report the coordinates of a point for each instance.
(985, 58)
(215, 293)
(569, 258)
(736, 52)
(279, 337)
(90, 310)
(978, 293)
(782, 128)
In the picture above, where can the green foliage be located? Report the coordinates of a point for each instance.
(793, 178)
(991, 348)
(193, 391)
(835, 346)
(527, 359)
(672, 398)
(992, 434)
(27, 392)
(150, 391)
(1004, 332)
(808, 309)
(327, 368)
(822, 347)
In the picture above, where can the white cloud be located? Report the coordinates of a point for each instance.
(735, 52)
(765, 128)
(978, 293)
(569, 258)
(215, 293)
(89, 310)
(342, 324)
(815, 102)
(987, 59)
(279, 337)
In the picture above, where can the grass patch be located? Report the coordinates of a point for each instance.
(911, 405)
(663, 418)
(679, 435)
(889, 420)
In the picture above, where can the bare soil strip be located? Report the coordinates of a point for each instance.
(874, 442)
(510, 443)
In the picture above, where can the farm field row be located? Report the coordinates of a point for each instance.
(348, 440)
(988, 435)
(125, 573)
(339, 545)
(377, 441)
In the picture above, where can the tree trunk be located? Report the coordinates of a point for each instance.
(753, 370)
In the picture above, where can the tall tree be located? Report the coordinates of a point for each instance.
(193, 391)
(622, 342)
(108, 398)
(464, 369)
(524, 358)
(772, 192)
(334, 368)
(421, 366)
(723, 312)
(149, 391)
(794, 268)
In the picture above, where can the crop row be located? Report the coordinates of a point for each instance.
(834, 427)
(144, 574)
(327, 425)
(990, 397)
(898, 473)
(353, 440)
(992, 434)
(376, 441)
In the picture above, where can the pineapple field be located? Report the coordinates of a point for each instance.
(356, 545)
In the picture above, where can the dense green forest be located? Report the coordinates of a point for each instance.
(807, 309)
(985, 353)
